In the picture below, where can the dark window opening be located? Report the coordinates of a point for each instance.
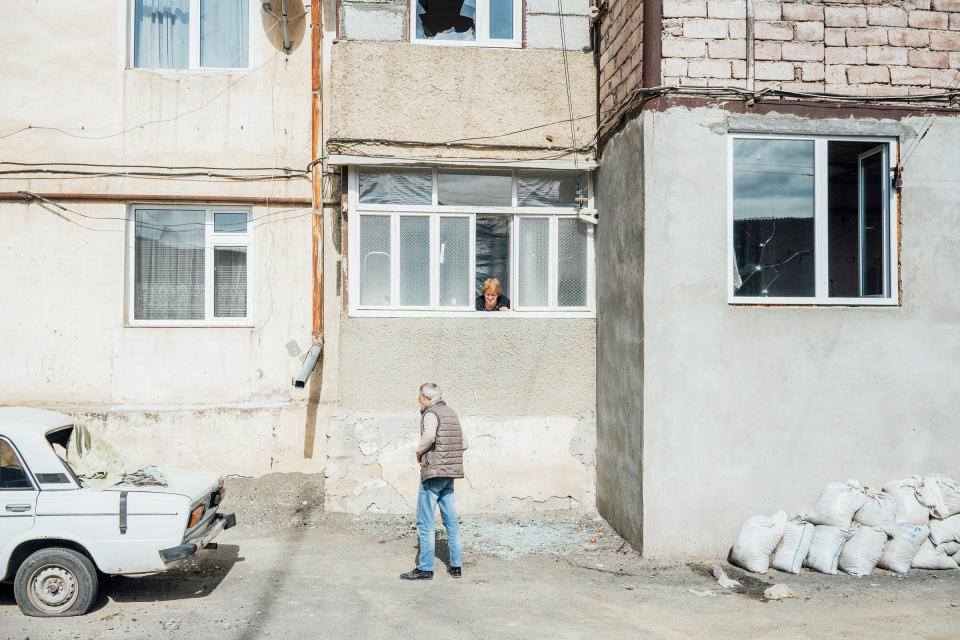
(446, 20)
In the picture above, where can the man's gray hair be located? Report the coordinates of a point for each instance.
(430, 391)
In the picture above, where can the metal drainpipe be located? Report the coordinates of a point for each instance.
(652, 42)
(751, 12)
(316, 136)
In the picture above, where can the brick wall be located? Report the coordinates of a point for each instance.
(863, 47)
(620, 40)
(851, 47)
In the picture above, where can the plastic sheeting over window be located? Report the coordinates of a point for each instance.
(396, 186)
(572, 271)
(548, 188)
(474, 188)
(375, 260)
(414, 261)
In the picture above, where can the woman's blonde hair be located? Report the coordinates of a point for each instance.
(491, 285)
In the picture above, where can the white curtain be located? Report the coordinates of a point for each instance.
(169, 265)
(161, 33)
(224, 33)
(230, 282)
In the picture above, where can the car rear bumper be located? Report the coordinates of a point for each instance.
(191, 546)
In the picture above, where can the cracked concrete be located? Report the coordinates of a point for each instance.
(514, 464)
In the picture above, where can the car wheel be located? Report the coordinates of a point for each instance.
(55, 582)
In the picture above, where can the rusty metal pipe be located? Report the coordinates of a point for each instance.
(652, 42)
(316, 139)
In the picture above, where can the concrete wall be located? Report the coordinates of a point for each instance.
(389, 21)
(217, 398)
(748, 410)
(422, 93)
(620, 303)
(524, 389)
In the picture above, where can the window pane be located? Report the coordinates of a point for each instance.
(534, 256)
(773, 205)
(414, 261)
(847, 259)
(230, 222)
(549, 188)
(501, 19)
(873, 249)
(168, 264)
(161, 33)
(230, 282)
(375, 260)
(572, 274)
(396, 186)
(466, 188)
(493, 252)
(455, 262)
(446, 20)
(12, 474)
(224, 33)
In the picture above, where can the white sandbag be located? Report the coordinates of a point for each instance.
(825, 548)
(946, 530)
(909, 509)
(757, 539)
(880, 511)
(797, 536)
(940, 494)
(900, 549)
(949, 548)
(862, 552)
(836, 505)
(929, 557)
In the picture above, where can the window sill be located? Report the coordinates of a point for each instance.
(202, 71)
(810, 302)
(171, 324)
(468, 43)
(481, 315)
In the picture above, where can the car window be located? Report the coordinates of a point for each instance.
(12, 473)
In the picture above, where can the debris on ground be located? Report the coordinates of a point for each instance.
(779, 592)
(703, 593)
(723, 579)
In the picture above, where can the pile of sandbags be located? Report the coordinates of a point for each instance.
(914, 522)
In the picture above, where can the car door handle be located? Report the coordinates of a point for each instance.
(18, 508)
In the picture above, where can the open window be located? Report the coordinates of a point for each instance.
(812, 220)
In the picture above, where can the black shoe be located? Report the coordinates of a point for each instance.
(416, 574)
(455, 572)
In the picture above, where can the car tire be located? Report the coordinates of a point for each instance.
(55, 582)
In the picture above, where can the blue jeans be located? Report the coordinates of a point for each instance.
(433, 492)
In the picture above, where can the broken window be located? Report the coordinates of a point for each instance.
(189, 264)
(467, 22)
(436, 257)
(812, 220)
(164, 38)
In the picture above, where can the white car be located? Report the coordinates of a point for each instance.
(55, 534)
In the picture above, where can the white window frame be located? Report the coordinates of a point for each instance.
(212, 240)
(193, 43)
(436, 211)
(483, 29)
(821, 230)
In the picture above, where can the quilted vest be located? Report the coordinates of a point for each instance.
(444, 459)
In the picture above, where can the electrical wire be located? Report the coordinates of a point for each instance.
(566, 75)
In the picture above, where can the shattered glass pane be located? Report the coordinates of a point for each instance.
(414, 261)
(534, 270)
(455, 262)
(396, 186)
(446, 20)
(375, 261)
(572, 273)
(493, 252)
(773, 225)
(480, 188)
(230, 282)
(501, 19)
(549, 188)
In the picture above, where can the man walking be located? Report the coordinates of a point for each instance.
(440, 454)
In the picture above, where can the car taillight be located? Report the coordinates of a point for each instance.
(195, 516)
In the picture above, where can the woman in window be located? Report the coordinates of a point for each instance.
(490, 299)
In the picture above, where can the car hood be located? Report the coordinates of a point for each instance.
(186, 482)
